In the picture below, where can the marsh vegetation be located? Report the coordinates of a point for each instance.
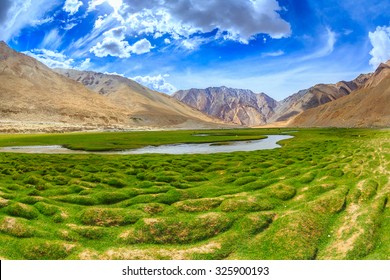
(323, 195)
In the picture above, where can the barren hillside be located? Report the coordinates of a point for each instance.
(365, 107)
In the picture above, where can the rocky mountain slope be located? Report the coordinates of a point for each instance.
(368, 106)
(237, 106)
(147, 107)
(34, 97)
(314, 97)
(247, 108)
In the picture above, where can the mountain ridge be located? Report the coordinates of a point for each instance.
(315, 96)
(367, 106)
(278, 113)
(145, 105)
(32, 93)
(36, 98)
(242, 107)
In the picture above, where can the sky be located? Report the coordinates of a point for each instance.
(273, 46)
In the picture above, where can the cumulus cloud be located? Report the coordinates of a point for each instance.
(52, 59)
(16, 15)
(117, 32)
(84, 65)
(234, 20)
(113, 47)
(72, 6)
(157, 83)
(99, 22)
(93, 4)
(115, 4)
(141, 47)
(114, 44)
(380, 41)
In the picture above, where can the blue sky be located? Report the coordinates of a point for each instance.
(272, 46)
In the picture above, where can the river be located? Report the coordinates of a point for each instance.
(204, 148)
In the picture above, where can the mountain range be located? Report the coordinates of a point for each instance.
(145, 106)
(37, 98)
(255, 109)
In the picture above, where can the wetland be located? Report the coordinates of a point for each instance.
(322, 195)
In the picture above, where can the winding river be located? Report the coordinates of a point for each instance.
(176, 149)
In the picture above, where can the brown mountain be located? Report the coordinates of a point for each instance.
(242, 107)
(314, 97)
(34, 97)
(31, 93)
(368, 106)
(147, 107)
(247, 108)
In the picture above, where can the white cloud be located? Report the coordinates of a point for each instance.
(85, 64)
(185, 22)
(114, 44)
(70, 26)
(189, 44)
(37, 22)
(141, 47)
(17, 14)
(328, 41)
(273, 54)
(99, 22)
(51, 40)
(157, 83)
(113, 47)
(150, 22)
(52, 59)
(114, 73)
(193, 43)
(82, 46)
(93, 4)
(117, 32)
(72, 6)
(236, 20)
(115, 4)
(380, 41)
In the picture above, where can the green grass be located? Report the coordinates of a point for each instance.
(323, 195)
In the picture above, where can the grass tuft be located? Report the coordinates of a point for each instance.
(22, 210)
(109, 216)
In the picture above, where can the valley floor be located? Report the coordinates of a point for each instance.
(323, 195)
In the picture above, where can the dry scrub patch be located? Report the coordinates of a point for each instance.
(16, 227)
(198, 205)
(355, 237)
(150, 254)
